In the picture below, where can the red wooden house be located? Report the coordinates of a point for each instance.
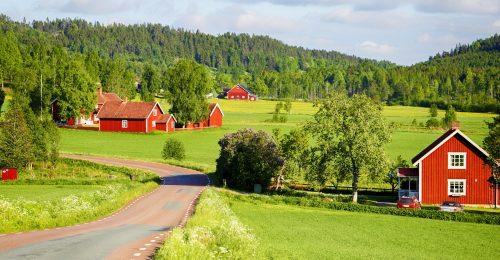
(214, 118)
(451, 168)
(166, 122)
(117, 116)
(238, 92)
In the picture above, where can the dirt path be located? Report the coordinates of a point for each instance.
(134, 232)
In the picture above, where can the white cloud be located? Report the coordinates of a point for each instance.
(255, 22)
(447, 39)
(496, 23)
(458, 6)
(348, 15)
(372, 47)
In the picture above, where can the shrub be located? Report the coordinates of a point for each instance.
(173, 149)
(248, 157)
(433, 123)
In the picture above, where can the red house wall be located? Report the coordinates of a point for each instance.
(152, 118)
(216, 118)
(435, 175)
(163, 126)
(237, 93)
(115, 125)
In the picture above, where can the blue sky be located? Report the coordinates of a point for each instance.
(404, 31)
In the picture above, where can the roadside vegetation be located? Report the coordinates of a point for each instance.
(213, 232)
(71, 193)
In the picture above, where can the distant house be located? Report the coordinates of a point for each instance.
(451, 168)
(166, 122)
(86, 118)
(214, 118)
(238, 92)
(124, 116)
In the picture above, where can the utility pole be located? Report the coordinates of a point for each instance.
(41, 96)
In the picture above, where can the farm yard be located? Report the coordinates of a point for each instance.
(202, 148)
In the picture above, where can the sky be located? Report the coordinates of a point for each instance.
(401, 31)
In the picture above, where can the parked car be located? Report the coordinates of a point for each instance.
(451, 206)
(408, 203)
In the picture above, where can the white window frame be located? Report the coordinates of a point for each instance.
(457, 193)
(172, 124)
(242, 97)
(153, 123)
(450, 166)
(124, 123)
(155, 112)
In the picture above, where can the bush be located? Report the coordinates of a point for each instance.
(173, 149)
(248, 157)
(433, 123)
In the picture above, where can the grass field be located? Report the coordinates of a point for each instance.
(202, 148)
(45, 192)
(291, 232)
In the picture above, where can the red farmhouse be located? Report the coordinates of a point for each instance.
(166, 122)
(126, 116)
(214, 119)
(451, 168)
(238, 92)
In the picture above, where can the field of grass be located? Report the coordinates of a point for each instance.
(291, 232)
(202, 148)
(74, 192)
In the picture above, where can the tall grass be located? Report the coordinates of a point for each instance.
(21, 214)
(213, 232)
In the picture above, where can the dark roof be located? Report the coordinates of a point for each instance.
(434, 144)
(126, 110)
(407, 172)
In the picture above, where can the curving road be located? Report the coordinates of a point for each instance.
(134, 232)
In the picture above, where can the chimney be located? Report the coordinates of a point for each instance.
(125, 100)
(455, 125)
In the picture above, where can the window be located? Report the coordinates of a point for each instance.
(124, 123)
(456, 187)
(172, 124)
(153, 123)
(155, 112)
(457, 160)
(243, 97)
(232, 96)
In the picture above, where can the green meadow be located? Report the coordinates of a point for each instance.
(292, 232)
(202, 148)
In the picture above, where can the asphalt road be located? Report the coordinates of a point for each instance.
(134, 232)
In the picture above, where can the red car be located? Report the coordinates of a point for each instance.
(408, 203)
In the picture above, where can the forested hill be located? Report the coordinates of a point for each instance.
(118, 55)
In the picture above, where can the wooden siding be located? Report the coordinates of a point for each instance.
(152, 118)
(216, 118)
(237, 93)
(435, 175)
(115, 125)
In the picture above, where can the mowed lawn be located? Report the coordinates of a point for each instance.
(44, 192)
(202, 145)
(291, 232)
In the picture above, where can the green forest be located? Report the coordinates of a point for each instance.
(68, 57)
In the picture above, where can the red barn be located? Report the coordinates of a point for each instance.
(103, 97)
(214, 119)
(126, 116)
(166, 122)
(451, 168)
(238, 92)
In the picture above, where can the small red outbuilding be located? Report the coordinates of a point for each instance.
(141, 117)
(166, 122)
(214, 118)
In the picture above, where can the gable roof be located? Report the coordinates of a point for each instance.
(127, 110)
(164, 118)
(440, 141)
(212, 108)
(242, 87)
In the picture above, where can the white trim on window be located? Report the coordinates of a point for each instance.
(155, 112)
(456, 187)
(457, 160)
(153, 123)
(124, 123)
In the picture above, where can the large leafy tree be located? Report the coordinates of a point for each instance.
(350, 135)
(492, 145)
(16, 142)
(248, 157)
(187, 84)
